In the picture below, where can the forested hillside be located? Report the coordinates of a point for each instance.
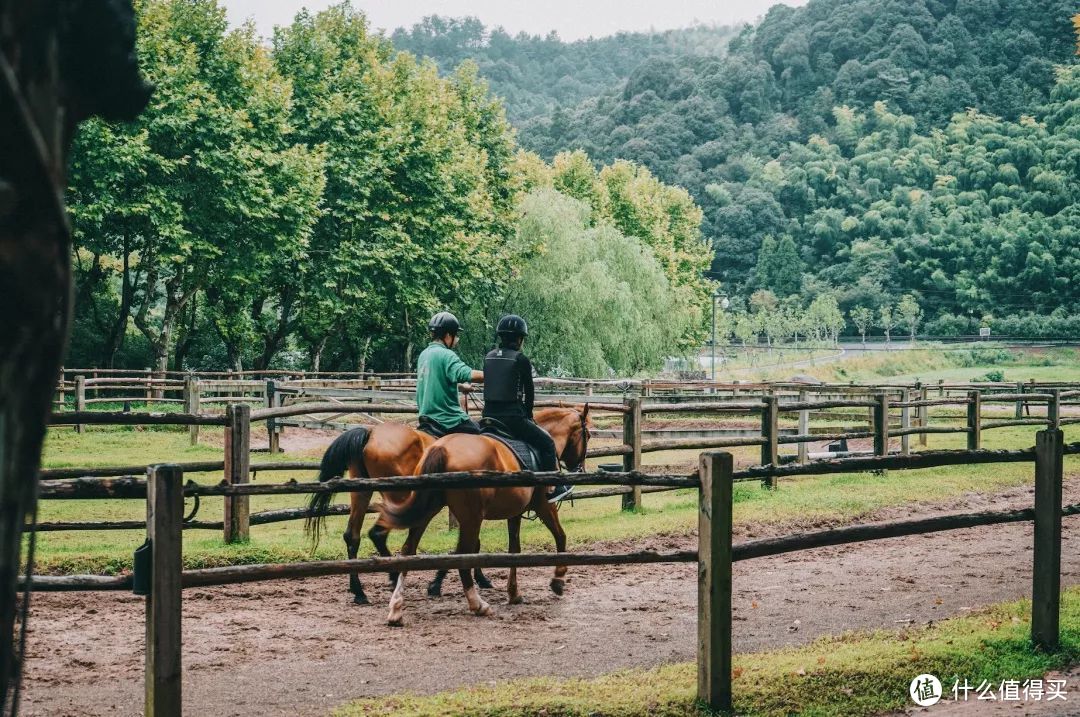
(845, 125)
(535, 74)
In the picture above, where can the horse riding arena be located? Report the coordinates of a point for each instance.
(300, 646)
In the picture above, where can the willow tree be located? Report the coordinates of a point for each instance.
(596, 299)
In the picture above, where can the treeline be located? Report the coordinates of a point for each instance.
(312, 203)
(832, 150)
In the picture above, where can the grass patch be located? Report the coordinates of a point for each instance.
(859, 673)
(936, 362)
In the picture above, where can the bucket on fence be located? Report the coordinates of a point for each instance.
(142, 566)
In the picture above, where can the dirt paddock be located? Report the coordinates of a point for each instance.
(302, 648)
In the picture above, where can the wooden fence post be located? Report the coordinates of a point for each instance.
(974, 421)
(924, 416)
(804, 427)
(1046, 571)
(80, 399)
(714, 618)
(905, 422)
(1020, 401)
(272, 401)
(770, 428)
(1053, 409)
(164, 519)
(881, 424)
(237, 470)
(61, 388)
(192, 401)
(632, 461)
(149, 394)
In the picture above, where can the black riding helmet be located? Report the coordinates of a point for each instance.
(512, 325)
(444, 323)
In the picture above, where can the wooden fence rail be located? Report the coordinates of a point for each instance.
(237, 424)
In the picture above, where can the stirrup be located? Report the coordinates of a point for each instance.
(562, 495)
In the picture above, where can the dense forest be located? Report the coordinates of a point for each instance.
(534, 75)
(916, 147)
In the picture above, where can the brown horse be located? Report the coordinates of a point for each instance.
(388, 449)
(569, 429)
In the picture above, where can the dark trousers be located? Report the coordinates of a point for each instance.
(467, 426)
(536, 437)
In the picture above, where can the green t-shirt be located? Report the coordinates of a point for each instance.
(438, 372)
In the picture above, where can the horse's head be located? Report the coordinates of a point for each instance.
(569, 428)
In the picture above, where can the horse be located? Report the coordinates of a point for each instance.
(569, 429)
(388, 449)
(384, 450)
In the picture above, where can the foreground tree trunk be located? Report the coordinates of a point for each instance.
(60, 62)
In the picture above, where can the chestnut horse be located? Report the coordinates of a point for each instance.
(388, 449)
(569, 429)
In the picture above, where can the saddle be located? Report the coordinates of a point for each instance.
(525, 453)
(430, 427)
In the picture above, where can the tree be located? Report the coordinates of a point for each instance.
(909, 313)
(596, 299)
(779, 267)
(863, 319)
(418, 199)
(887, 320)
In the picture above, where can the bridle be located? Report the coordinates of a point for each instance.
(585, 435)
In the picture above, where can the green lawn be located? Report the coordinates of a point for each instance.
(859, 673)
(797, 502)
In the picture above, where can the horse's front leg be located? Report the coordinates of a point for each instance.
(469, 542)
(549, 516)
(358, 505)
(513, 525)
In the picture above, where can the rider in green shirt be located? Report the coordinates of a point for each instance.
(439, 370)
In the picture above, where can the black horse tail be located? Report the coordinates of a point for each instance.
(346, 450)
(422, 503)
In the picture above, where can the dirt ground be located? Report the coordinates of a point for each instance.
(301, 648)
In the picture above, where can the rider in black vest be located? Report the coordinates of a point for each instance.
(508, 394)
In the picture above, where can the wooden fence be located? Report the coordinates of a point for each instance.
(164, 491)
(892, 413)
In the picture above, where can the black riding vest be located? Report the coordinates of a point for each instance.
(501, 383)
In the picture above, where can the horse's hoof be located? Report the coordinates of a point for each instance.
(517, 600)
(360, 599)
(396, 622)
(557, 586)
(484, 583)
(483, 611)
(434, 590)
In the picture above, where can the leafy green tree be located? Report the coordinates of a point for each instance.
(887, 320)
(596, 299)
(863, 318)
(909, 313)
(417, 200)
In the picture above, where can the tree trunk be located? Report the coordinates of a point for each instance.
(316, 353)
(119, 327)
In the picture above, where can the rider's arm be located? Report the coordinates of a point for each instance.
(457, 371)
(477, 376)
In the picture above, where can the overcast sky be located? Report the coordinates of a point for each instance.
(572, 19)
